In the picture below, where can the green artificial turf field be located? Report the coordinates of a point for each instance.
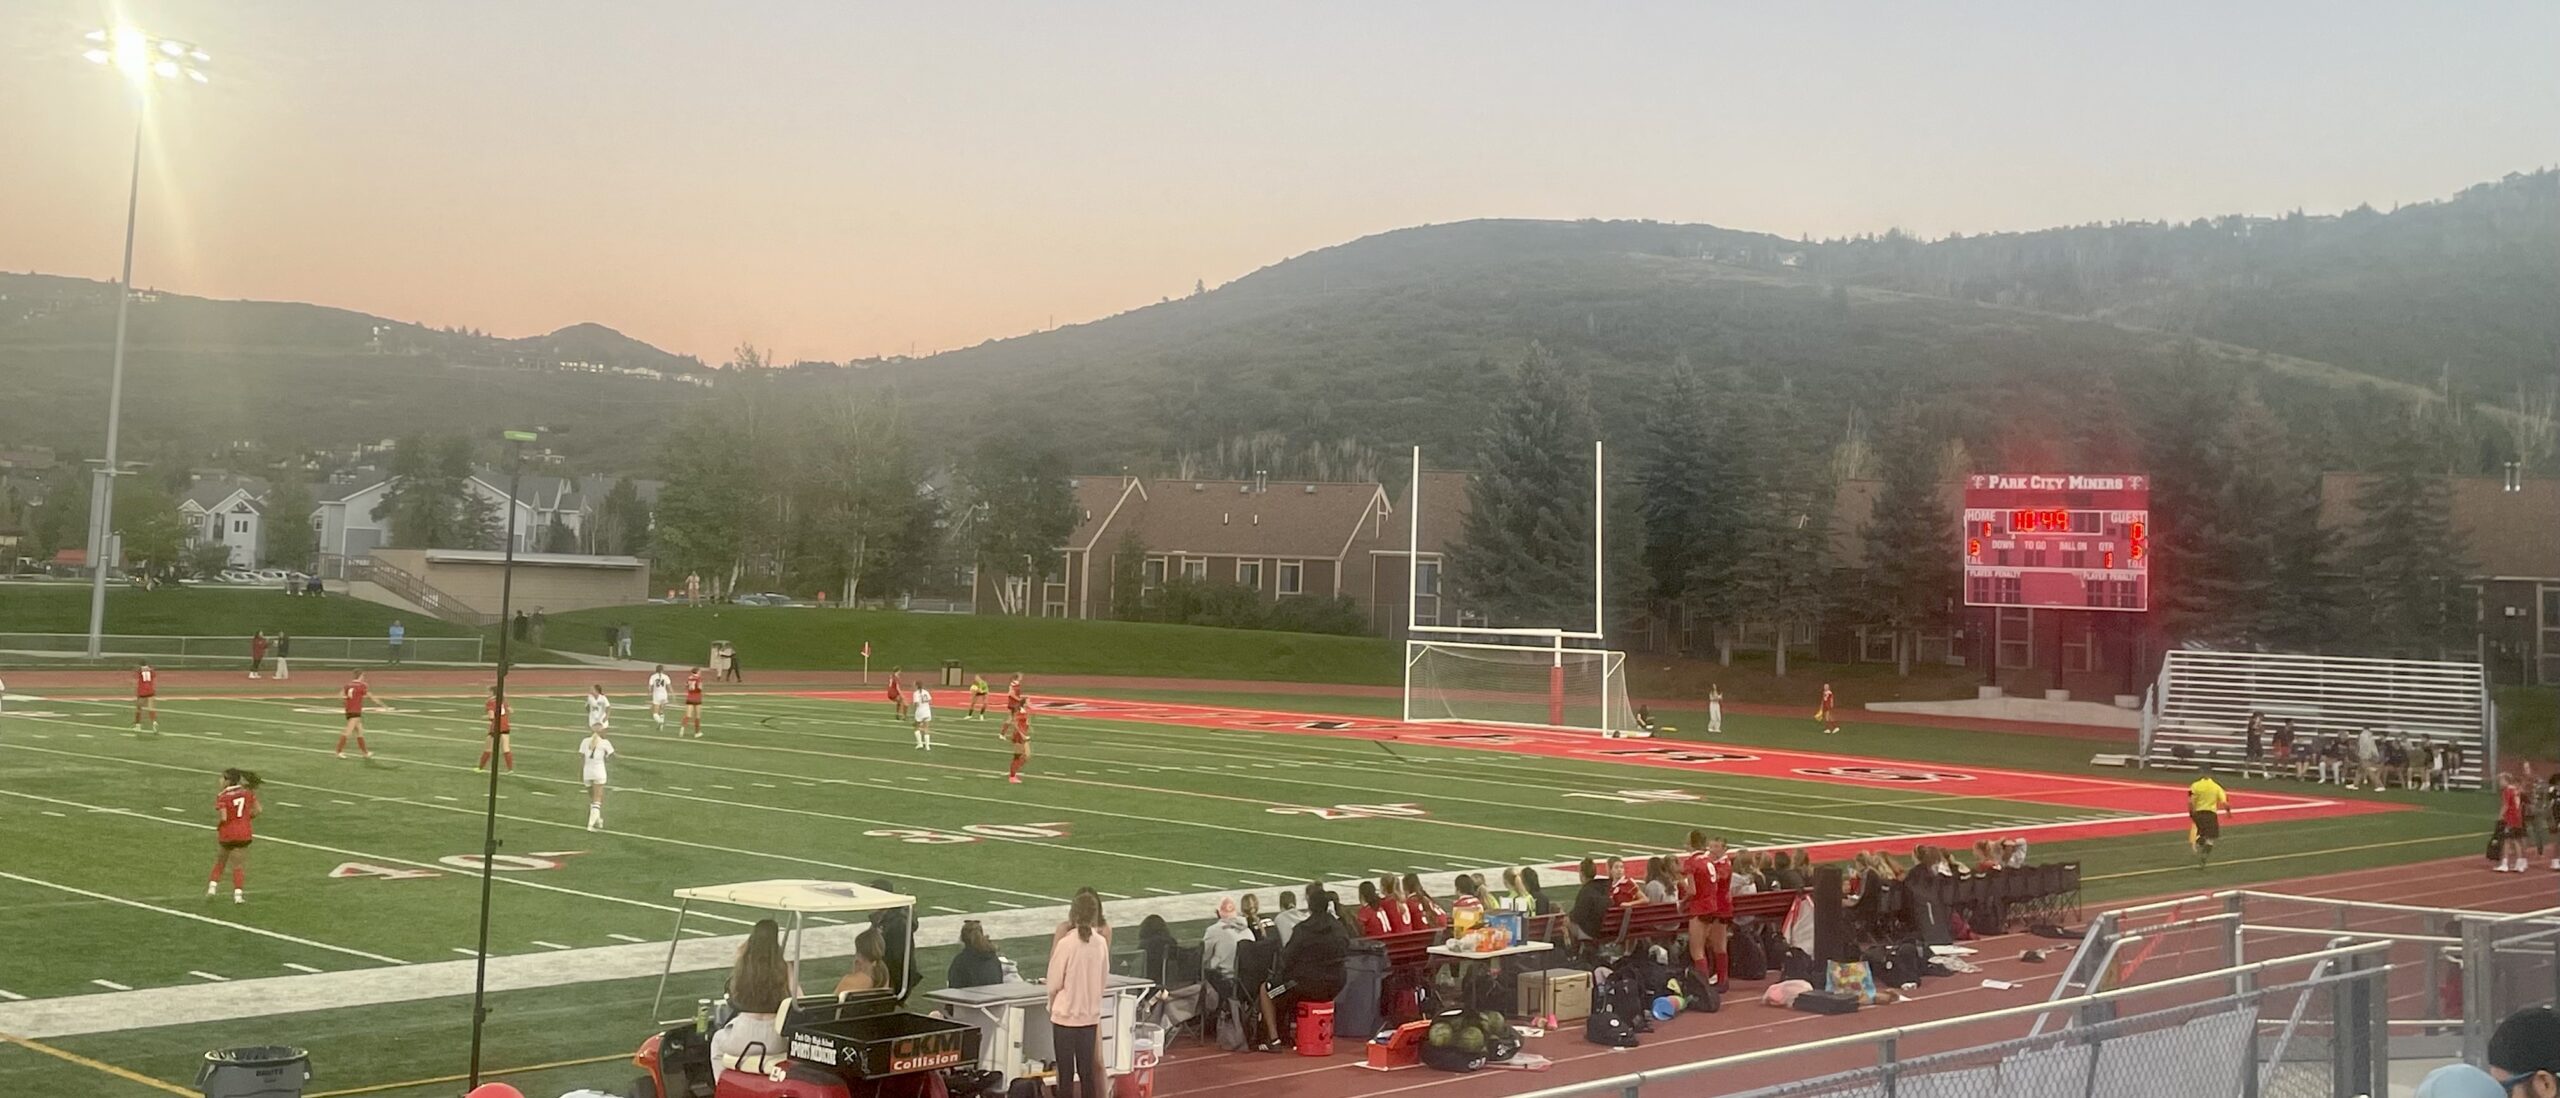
(369, 867)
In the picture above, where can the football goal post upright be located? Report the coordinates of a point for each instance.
(1488, 673)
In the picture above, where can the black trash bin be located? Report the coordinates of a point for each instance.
(950, 672)
(262, 1071)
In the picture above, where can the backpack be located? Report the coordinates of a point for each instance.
(1797, 964)
(1609, 1023)
(1744, 959)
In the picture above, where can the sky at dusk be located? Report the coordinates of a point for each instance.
(836, 179)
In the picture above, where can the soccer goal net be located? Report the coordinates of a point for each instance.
(1544, 686)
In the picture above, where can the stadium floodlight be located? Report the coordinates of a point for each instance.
(516, 440)
(142, 59)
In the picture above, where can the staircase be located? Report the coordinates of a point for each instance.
(375, 581)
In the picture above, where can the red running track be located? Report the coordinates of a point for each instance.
(2143, 807)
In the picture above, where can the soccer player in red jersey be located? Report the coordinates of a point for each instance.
(1017, 727)
(1013, 690)
(1624, 889)
(233, 808)
(1828, 712)
(357, 696)
(1707, 897)
(146, 696)
(501, 723)
(692, 704)
(897, 695)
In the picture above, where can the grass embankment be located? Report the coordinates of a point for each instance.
(803, 638)
(205, 612)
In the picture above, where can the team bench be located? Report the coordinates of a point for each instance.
(1665, 921)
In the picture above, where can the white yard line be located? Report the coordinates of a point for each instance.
(193, 917)
(304, 968)
(625, 938)
(209, 976)
(12, 996)
(548, 945)
(110, 985)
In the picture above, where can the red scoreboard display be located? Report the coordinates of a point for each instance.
(2064, 541)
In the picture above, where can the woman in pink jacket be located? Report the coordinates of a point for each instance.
(1079, 960)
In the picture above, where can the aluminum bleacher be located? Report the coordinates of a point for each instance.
(2202, 703)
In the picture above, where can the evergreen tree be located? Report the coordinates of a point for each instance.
(1523, 556)
(2407, 560)
(62, 522)
(146, 520)
(622, 521)
(1129, 577)
(1782, 574)
(705, 512)
(287, 540)
(1911, 560)
(1676, 481)
(430, 503)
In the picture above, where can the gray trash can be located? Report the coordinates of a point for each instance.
(950, 672)
(262, 1071)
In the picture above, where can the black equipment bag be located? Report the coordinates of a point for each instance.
(1827, 1002)
(1355, 1007)
(1744, 959)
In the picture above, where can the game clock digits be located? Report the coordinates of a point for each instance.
(2065, 541)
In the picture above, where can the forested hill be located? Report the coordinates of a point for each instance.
(2466, 289)
(1395, 338)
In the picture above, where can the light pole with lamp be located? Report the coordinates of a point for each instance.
(142, 59)
(489, 834)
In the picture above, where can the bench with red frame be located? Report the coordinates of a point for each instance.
(1665, 921)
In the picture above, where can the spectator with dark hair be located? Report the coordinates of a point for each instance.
(759, 983)
(978, 964)
(1420, 911)
(1589, 920)
(1310, 967)
(2524, 1053)
(1624, 888)
(1660, 886)
(1793, 868)
(1536, 899)
(1286, 922)
(1249, 907)
(1373, 912)
(894, 931)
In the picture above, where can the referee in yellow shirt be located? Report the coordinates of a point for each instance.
(2206, 802)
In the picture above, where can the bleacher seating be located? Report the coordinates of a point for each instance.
(2198, 712)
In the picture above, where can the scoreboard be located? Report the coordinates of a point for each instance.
(2066, 541)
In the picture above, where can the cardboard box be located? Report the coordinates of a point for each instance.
(1563, 992)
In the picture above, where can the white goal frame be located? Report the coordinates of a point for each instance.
(1612, 664)
(1556, 641)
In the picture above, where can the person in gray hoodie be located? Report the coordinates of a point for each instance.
(1288, 918)
(1218, 943)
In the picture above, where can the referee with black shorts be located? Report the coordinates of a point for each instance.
(2206, 802)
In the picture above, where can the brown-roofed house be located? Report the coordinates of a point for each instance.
(1284, 539)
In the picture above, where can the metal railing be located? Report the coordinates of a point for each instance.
(401, 582)
(234, 650)
(2508, 964)
(2320, 1035)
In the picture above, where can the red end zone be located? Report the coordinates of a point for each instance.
(2146, 806)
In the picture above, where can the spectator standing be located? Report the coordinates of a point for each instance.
(2537, 821)
(2510, 825)
(2253, 746)
(399, 636)
(894, 932)
(538, 621)
(1715, 710)
(2368, 760)
(522, 627)
(622, 640)
(284, 651)
(2285, 754)
(1286, 922)
(1079, 962)
(257, 653)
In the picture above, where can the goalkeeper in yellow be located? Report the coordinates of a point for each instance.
(2206, 803)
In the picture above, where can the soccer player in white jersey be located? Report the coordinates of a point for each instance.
(599, 708)
(592, 753)
(659, 687)
(924, 717)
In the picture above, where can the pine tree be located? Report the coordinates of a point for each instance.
(1026, 509)
(1782, 574)
(1129, 577)
(1523, 557)
(1911, 560)
(2406, 559)
(1676, 480)
(622, 521)
(287, 540)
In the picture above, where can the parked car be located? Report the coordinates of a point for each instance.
(276, 576)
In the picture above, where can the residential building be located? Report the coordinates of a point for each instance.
(1295, 539)
(2511, 535)
(347, 531)
(229, 511)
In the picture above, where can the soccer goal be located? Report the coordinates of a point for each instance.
(1550, 686)
(1542, 676)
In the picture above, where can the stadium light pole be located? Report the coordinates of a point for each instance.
(142, 59)
(489, 832)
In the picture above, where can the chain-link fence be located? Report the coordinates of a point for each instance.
(229, 650)
(2305, 1026)
(2507, 964)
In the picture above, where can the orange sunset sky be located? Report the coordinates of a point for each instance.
(838, 179)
